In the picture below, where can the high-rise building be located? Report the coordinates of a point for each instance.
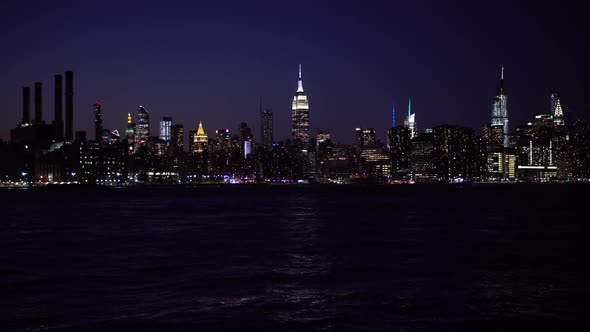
(300, 115)
(246, 139)
(165, 130)
(398, 142)
(142, 129)
(58, 123)
(557, 111)
(366, 138)
(266, 121)
(455, 152)
(410, 121)
(177, 139)
(130, 135)
(500, 110)
(199, 140)
(223, 139)
(69, 105)
(97, 122)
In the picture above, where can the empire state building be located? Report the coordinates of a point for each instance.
(300, 115)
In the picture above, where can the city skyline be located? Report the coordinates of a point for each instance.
(353, 79)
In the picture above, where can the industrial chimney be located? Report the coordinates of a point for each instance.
(26, 105)
(38, 103)
(69, 105)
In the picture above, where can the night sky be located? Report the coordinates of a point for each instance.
(211, 63)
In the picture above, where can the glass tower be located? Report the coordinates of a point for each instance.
(500, 110)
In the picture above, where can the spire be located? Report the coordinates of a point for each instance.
(410, 107)
(128, 118)
(501, 89)
(393, 116)
(201, 131)
(300, 82)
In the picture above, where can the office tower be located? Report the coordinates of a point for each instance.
(38, 103)
(223, 139)
(165, 127)
(26, 106)
(398, 141)
(366, 138)
(421, 154)
(199, 140)
(500, 110)
(300, 115)
(177, 139)
(98, 130)
(142, 129)
(58, 123)
(557, 111)
(410, 121)
(455, 152)
(266, 126)
(69, 105)
(246, 139)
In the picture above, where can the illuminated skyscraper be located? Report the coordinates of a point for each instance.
(266, 121)
(130, 134)
(142, 129)
(97, 122)
(500, 110)
(556, 111)
(246, 139)
(165, 127)
(366, 138)
(300, 115)
(199, 140)
(223, 139)
(410, 121)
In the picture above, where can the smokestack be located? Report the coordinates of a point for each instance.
(58, 122)
(26, 105)
(38, 103)
(69, 105)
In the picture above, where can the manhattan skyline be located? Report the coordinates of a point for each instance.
(214, 64)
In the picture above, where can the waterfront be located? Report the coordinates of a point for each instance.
(294, 258)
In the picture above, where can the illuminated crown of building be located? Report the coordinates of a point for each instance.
(201, 136)
(300, 114)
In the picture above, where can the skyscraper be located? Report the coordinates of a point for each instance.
(142, 129)
(177, 139)
(199, 140)
(266, 121)
(246, 139)
(165, 127)
(97, 122)
(556, 111)
(300, 115)
(410, 121)
(366, 138)
(130, 134)
(500, 109)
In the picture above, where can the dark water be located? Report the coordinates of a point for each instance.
(342, 258)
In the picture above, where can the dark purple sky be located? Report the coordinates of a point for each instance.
(211, 63)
